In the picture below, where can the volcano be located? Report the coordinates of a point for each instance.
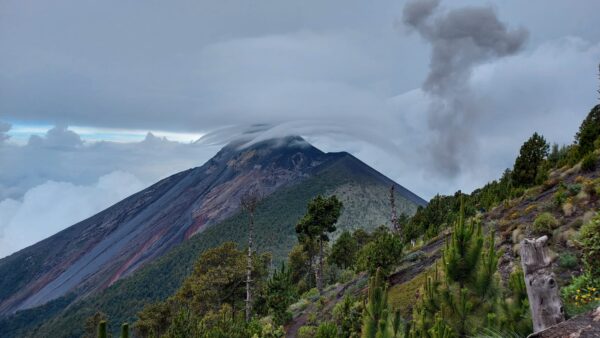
(92, 255)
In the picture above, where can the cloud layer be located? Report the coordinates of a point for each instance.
(50, 207)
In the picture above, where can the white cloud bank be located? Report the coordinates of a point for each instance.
(50, 207)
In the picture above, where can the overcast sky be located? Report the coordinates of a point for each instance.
(436, 95)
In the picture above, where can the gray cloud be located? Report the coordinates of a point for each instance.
(460, 39)
(4, 128)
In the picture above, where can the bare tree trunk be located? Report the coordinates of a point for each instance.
(319, 275)
(249, 269)
(249, 202)
(542, 290)
(394, 220)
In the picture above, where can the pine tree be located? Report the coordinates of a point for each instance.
(589, 132)
(468, 293)
(515, 315)
(378, 322)
(280, 295)
(314, 227)
(425, 313)
(532, 154)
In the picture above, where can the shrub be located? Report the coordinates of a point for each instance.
(544, 223)
(348, 315)
(327, 330)
(306, 332)
(574, 189)
(559, 197)
(567, 261)
(346, 276)
(589, 162)
(311, 294)
(299, 305)
(581, 295)
(590, 243)
(384, 252)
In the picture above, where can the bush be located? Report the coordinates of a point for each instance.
(567, 261)
(311, 294)
(544, 223)
(574, 189)
(384, 252)
(346, 276)
(348, 315)
(327, 330)
(306, 332)
(590, 243)
(559, 197)
(581, 295)
(589, 162)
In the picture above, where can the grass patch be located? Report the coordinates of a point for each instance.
(402, 296)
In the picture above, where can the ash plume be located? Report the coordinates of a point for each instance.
(460, 40)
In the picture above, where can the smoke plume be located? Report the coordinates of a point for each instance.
(460, 39)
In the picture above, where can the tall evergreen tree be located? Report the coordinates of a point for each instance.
(319, 220)
(589, 132)
(532, 154)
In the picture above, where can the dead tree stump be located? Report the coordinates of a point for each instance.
(542, 290)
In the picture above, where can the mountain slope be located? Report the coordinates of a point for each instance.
(96, 252)
(296, 172)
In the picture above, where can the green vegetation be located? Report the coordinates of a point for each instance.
(513, 314)
(348, 316)
(102, 329)
(383, 253)
(125, 330)
(321, 216)
(531, 157)
(402, 296)
(568, 261)
(589, 132)
(544, 223)
(589, 162)
(281, 293)
(467, 299)
(378, 320)
(581, 295)
(217, 286)
(327, 330)
(343, 251)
